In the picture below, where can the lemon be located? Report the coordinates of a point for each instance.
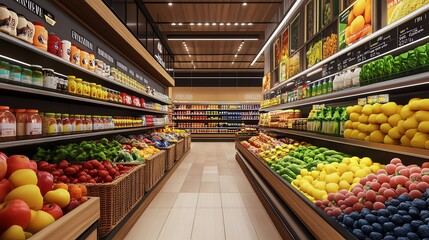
(347, 176)
(405, 141)
(315, 174)
(304, 172)
(320, 166)
(374, 168)
(320, 185)
(295, 182)
(356, 180)
(423, 104)
(363, 118)
(406, 112)
(422, 116)
(394, 119)
(411, 123)
(355, 117)
(376, 108)
(299, 177)
(381, 118)
(335, 164)
(389, 108)
(361, 173)
(419, 140)
(389, 140)
(424, 127)
(362, 128)
(385, 127)
(372, 118)
(376, 136)
(357, 109)
(348, 124)
(366, 160)
(367, 109)
(322, 176)
(344, 185)
(362, 136)
(308, 178)
(355, 125)
(354, 169)
(332, 187)
(332, 178)
(346, 161)
(372, 127)
(342, 168)
(414, 104)
(349, 110)
(348, 133)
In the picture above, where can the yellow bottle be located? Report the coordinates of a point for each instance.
(71, 84)
(79, 88)
(93, 91)
(86, 89)
(99, 92)
(104, 90)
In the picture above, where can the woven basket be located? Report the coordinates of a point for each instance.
(180, 148)
(118, 197)
(169, 159)
(154, 170)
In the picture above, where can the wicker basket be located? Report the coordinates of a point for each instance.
(180, 148)
(118, 197)
(169, 159)
(154, 170)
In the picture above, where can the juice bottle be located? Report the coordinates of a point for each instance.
(33, 123)
(93, 87)
(59, 123)
(71, 84)
(50, 126)
(324, 87)
(67, 127)
(79, 89)
(336, 122)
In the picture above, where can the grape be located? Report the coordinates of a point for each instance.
(382, 220)
(379, 205)
(419, 203)
(362, 222)
(389, 238)
(400, 231)
(402, 212)
(395, 202)
(424, 214)
(415, 224)
(366, 229)
(378, 227)
(355, 215)
(348, 221)
(375, 236)
(415, 194)
(375, 186)
(407, 219)
(412, 236)
(389, 193)
(358, 234)
(370, 195)
(414, 212)
(395, 161)
(388, 226)
(423, 231)
(390, 168)
(371, 218)
(404, 206)
(397, 219)
(422, 186)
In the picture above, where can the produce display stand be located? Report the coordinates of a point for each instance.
(117, 198)
(169, 155)
(154, 170)
(187, 142)
(81, 223)
(180, 149)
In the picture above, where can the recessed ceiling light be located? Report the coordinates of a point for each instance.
(199, 24)
(250, 24)
(228, 24)
(207, 24)
(194, 67)
(221, 24)
(190, 55)
(232, 63)
(245, 4)
(242, 24)
(235, 55)
(174, 24)
(214, 24)
(180, 24)
(236, 23)
(192, 24)
(170, 4)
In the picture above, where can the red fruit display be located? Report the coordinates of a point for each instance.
(45, 181)
(14, 212)
(3, 165)
(53, 209)
(5, 188)
(16, 162)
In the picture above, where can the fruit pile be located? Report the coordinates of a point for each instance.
(390, 123)
(333, 177)
(92, 171)
(29, 201)
(263, 142)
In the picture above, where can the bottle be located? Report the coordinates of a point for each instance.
(320, 119)
(335, 83)
(40, 38)
(73, 123)
(37, 75)
(310, 120)
(7, 124)
(336, 122)
(93, 90)
(60, 128)
(348, 79)
(343, 119)
(71, 84)
(319, 89)
(355, 80)
(341, 81)
(67, 127)
(326, 121)
(79, 86)
(21, 120)
(330, 87)
(313, 89)
(34, 123)
(50, 124)
(325, 86)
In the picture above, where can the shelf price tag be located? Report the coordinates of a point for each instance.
(361, 101)
(383, 98)
(414, 29)
(372, 99)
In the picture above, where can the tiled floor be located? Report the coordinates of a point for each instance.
(208, 197)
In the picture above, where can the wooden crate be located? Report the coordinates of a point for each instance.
(180, 149)
(187, 143)
(154, 170)
(169, 159)
(118, 197)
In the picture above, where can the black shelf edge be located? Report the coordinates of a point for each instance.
(46, 54)
(47, 139)
(214, 120)
(214, 115)
(214, 109)
(409, 151)
(350, 93)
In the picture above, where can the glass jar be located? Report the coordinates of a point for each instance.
(86, 88)
(49, 80)
(40, 39)
(91, 62)
(93, 87)
(5, 14)
(79, 89)
(34, 123)
(104, 91)
(84, 59)
(15, 73)
(73, 122)
(60, 127)
(26, 76)
(21, 120)
(13, 22)
(75, 55)
(21, 28)
(4, 69)
(297, 113)
(95, 123)
(7, 124)
(67, 126)
(79, 124)
(99, 92)
(37, 75)
(50, 124)
(71, 82)
(89, 123)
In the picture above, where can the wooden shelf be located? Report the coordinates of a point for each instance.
(407, 151)
(30, 89)
(74, 223)
(317, 222)
(47, 139)
(44, 54)
(213, 128)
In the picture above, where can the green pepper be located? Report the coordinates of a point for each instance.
(404, 61)
(363, 75)
(422, 55)
(413, 61)
(388, 64)
(397, 66)
(379, 68)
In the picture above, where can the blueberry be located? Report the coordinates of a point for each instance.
(389, 226)
(358, 234)
(414, 212)
(423, 231)
(371, 218)
(378, 227)
(407, 227)
(365, 212)
(400, 231)
(376, 236)
(340, 218)
(363, 222)
(412, 236)
(374, 212)
(403, 198)
(383, 212)
(420, 204)
(355, 215)
(426, 193)
(389, 238)
(402, 212)
(366, 229)
(383, 220)
(424, 214)
(407, 218)
(395, 202)
(403, 206)
(397, 219)
(356, 225)
(402, 238)
(392, 209)
(348, 221)
(415, 224)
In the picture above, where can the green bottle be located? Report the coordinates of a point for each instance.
(336, 122)
(330, 85)
(343, 119)
(325, 87)
(308, 91)
(312, 117)
(319, 89)
(327, 129)
(313, 90)
(320, 120)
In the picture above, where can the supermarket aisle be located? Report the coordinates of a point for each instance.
(208, 197)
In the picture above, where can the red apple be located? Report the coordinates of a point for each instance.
(5, 188)
(14, 212)
(16, 162)
(33, 165)
(53, 209)
(3, 165)
(72, 205)
(45, 181)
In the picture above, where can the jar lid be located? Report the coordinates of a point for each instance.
(56, 114)
(48, 69)
(65, 114)
(79, 79)
(92, 84)
(50, 114)
(32, 110)
(4, 108)
(71, 77)
(20, 110)
(88, 116)
(26, 70)
(36, 67)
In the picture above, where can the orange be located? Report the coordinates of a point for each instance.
(351, 18)
(367, 13)
(357, 25)
(359, 7)
(60, 185)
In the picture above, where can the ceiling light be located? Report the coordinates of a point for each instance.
(192, 24)
(285, 20)
(213, 39)
(232, 63)
(245, 4)
(214, 24)
(207, 24)
(174, 24)
(235, 55)
(242, 24)
(199, 24)
(180, 24)
(194, 67)
(190, 55)
(250, 24)
(170, 4)
(228, 24)
(236, 24)
(221, 24)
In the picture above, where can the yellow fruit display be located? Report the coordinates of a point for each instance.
(381, 118)
(372, 118)
(394, 119)
(376, 108)
(355, 125)
(389, 140)
(348, 133)
(422, 116)
(406, 112)
(389, 108)
(357, 109)
(385, 127)
(348, 124)
(367, 109)
(423, 104)
(405, 141)
(362, 136)
(376, 136)
(363, 118)
(410, 133)
(419, 140)
(411, 123)
(394, 133)
(423, 126)
(354, 117)
(355, 134)
(362, 127)
(371, 128)
(401, 127)
(427, 144)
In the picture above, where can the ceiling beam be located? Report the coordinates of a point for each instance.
(213, 54)
(217, 23)
(214, 61)
(214, 2)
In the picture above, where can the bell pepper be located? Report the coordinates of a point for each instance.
(404, 61)
(379, 68)
(422, 55)
(413, 61)
(397, 65)
(388, 65)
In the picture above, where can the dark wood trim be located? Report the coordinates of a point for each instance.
(213, 2)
